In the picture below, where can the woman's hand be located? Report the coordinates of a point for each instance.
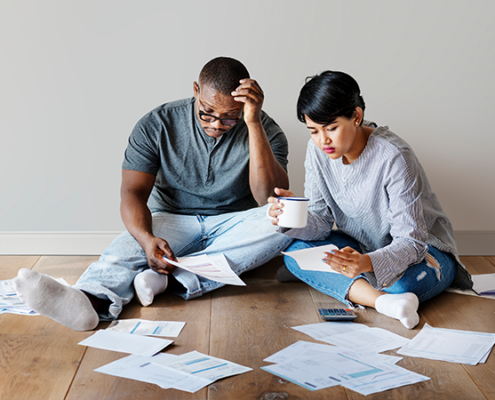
(276, 208)
(349, 262)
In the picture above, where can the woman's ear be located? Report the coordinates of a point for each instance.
(358, 116)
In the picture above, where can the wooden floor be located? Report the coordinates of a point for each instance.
(40, 359)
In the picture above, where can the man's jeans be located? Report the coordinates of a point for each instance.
(426, 279)
(247, 239)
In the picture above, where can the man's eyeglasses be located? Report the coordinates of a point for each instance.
(211, 118)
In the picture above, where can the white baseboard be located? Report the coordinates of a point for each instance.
(55, 243)
(469, 243)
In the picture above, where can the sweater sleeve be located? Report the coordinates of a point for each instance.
(409, 233)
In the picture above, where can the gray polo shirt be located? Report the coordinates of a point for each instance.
(195, 174)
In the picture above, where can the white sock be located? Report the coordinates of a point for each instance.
(148, 284)
(403, 307)
(64, 304)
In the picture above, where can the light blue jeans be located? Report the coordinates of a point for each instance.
(245, 238)
(426, 279)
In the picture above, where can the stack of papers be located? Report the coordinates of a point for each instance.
(10, 301)
(356, 337)
(463, 347)
(317, 366)
(189, 372)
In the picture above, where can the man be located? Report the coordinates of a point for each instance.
(194, 173)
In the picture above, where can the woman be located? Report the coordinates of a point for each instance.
(397, 246)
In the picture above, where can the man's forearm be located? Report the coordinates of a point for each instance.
(137, 218)
(265, 172)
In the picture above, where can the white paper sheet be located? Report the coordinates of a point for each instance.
(12, 304)
(302, 349)
(145, 327)
(456, 346)
(142, 368)
(7, 287)
(353, 336)
(215, 268)
(315, 366)
(311, 259)
(387, 380)
(126, 343)
(203, 366)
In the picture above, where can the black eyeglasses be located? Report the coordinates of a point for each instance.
(211, 118)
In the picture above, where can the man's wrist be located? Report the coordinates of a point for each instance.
(254, 124)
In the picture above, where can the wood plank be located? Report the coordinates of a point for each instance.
(491, 259)
(9, 265)
(37, 367)
(252, 323)
(166, 307)
(478, 265)
(68, 267)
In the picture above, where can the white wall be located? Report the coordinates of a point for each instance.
(76, 76)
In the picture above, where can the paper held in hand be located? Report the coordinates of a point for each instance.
(311, 259)
(215, 268)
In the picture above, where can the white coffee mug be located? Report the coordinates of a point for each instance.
(294, 212)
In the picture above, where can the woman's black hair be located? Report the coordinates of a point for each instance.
(327, 96)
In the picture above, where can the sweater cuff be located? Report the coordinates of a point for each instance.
(385, 273)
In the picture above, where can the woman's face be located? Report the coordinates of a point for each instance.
(339, 139)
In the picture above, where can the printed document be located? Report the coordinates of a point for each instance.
(455, 346)
(126, 343)
(315, 366)
(215, 268)
(142, 368)
(145, 327)
(353, 336)
(203, 366)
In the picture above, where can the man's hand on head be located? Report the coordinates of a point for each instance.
(250, 93)
(155, 250)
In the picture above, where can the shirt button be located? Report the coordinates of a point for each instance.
(384, 285)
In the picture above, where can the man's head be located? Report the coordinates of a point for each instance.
(216, 108)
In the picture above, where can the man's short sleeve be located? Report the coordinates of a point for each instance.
(142, 150)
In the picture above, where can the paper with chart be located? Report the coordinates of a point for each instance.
(215, 268)
(356, 337)
(126, 343)
(203, 366)
(11, 303)
(311, 259)
(463, 347)
(7, 287)
(144, 327)
(142, 368)
(315, 366)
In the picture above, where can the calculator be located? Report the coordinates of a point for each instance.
(337, 314)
